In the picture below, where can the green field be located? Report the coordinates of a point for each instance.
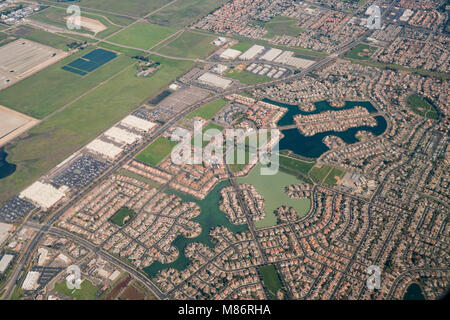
(184, 12)
(52, 141)
(280, 26)
(50, 39)
(297, 167)
(331, 180)
(361, 52)
(246, 77)
(142, 35)
(137, 8)
(86, 292)
(271, 280)
(189, 44)
(205, 141)
(271, 187)
(56, 16)
(422, 107)
(52, 88)
(118, 49)
(137, 177)
(157, 151)
(122, 216)
(242, 46)
(318, 174)
(209, 110)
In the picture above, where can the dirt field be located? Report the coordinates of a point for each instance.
(12, 124)
(90, 24)
(21, 58)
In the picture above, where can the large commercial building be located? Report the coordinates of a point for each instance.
(43, 194)
(252, 52)
(5, 261)
(215, 81)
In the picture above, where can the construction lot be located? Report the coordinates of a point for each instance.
(22, 58)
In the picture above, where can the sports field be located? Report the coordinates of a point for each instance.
(422, 107)
(122, 216)
(142, 35)
(361, 52)
(189, 44)
(280, 26)
(184, 12)
(157, 151)
(87, 290)
(272, 189)
(209, 110)
(54, 140)
(333, 176)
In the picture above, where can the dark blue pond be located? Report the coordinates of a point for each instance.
(414, 292)
(6, 168)
(312, 146)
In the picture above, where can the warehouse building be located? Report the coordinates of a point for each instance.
(105, 149)
(230, 54)
(137, 123)
(5, 262)
(215, 81)
(252, 52)
(122, 136)
(31, 281)
(43, 194)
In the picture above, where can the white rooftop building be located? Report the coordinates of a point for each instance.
(287, 57)
(122, 136)
(43, 194)
(5, 228)
(137, 123)
(252, 52)
(30, 282)
(271, 54)
(230, 54)
(105, 149)
(214, 80)
(5, 261)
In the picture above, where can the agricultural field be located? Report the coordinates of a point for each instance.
(50, 39)
(280, 26)
(209, 110)
(135, 8)
(271, 280)
(246, 77)
(142, 35)
(87, 290)
(52, 141)
(419, 105)
(361, 52)
(184, 12)
(189, 44)
(271, 187)
(52, 88)
(90, 61)
(122, 216)
(91, 23)
(157, 151)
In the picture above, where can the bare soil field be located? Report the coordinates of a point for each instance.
(12, 124)
(90, 24)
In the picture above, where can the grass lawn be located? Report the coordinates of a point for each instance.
(142, 35)
(86, 292)
(52, 141)
(189, 44)
(242, 46)
(361, 52)
(246, 77)
(127, 51)
(271, 280)
(297, 167)
(184, 12)
(272, 189)
(280, 26)
(209, 110)
(17, 293)
(422, 107)
(122, 216)
(318, 174)
(157, 151)
(52, 88)
(331, 180)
